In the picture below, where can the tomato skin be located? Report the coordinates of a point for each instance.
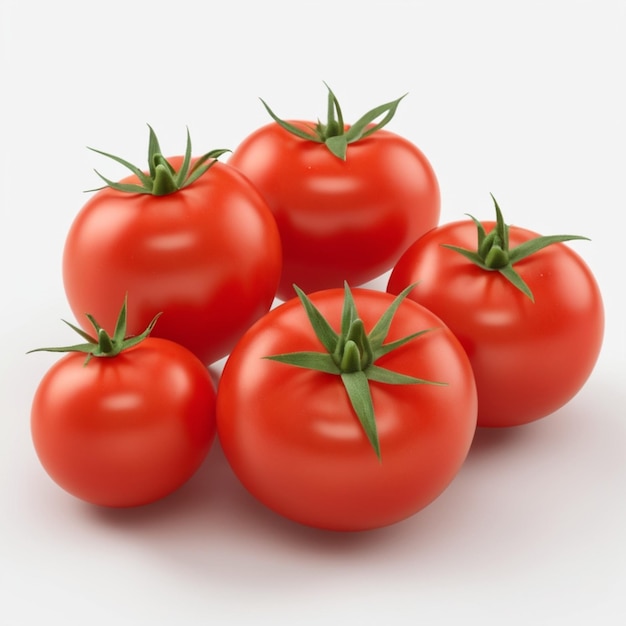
(529, 359)
(340, 220)
(294, 441)
(126, 430)
(208, 257)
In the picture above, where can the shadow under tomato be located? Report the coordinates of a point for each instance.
(214, 508)
(213, 505)
(494, 440)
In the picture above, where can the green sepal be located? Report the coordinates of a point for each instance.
(104, 345)
(382, 375)
(162, 178)
(493, 252)
(333, 133)
(390, 347)
(323, 330)
(357, 387)
(351, 353)
(309, 360)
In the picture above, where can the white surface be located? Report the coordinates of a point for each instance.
(525, 100)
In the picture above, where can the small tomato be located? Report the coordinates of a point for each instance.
(127, 425)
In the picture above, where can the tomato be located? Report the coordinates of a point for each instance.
(124, 430)
(207, 255)
(292, 434)
(530, 355)
(340, 218)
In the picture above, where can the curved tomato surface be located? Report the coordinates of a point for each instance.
(126, 430)
(207, 256)
(529, 358)
(340, 220)
(292, 438)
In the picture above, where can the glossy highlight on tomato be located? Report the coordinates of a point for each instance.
(291, 435)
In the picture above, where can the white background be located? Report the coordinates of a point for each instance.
(522, 99)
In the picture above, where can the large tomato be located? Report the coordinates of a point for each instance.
(128, 427)
(207, 255)
(348, 200)
(350, 444)
(532, 342)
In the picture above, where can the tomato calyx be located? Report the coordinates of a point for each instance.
(493, 252)
(103, 344)
(161, 178)
(351, 355)
(333, 133)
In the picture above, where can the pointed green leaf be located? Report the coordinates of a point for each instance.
(358, 389)
(393, 345)
(515, 279)
(378, 334)
(181, 176)
(79, 347)
(348, 313)
(331, 127)
(334, 109)
(294, 130)
(359, 129)
(129, 342)
(81, 332)
(500, 226)
(123, 187)
(389, 377)
(480, 231)
(145, 180)
(534, 245)
(120, 326)
(94, 323)
(323, 330)
(318, 361)
(474, 257)
(203, 164)
(338, 145)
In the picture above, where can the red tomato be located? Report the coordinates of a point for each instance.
(292, 436)
(208, 256)
(340, 219)
(125, 430)
(529, 358)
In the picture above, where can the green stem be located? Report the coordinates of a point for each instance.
(164, 182)
(494, 253)
(351, 354)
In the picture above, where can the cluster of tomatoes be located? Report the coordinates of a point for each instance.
(338, 406)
